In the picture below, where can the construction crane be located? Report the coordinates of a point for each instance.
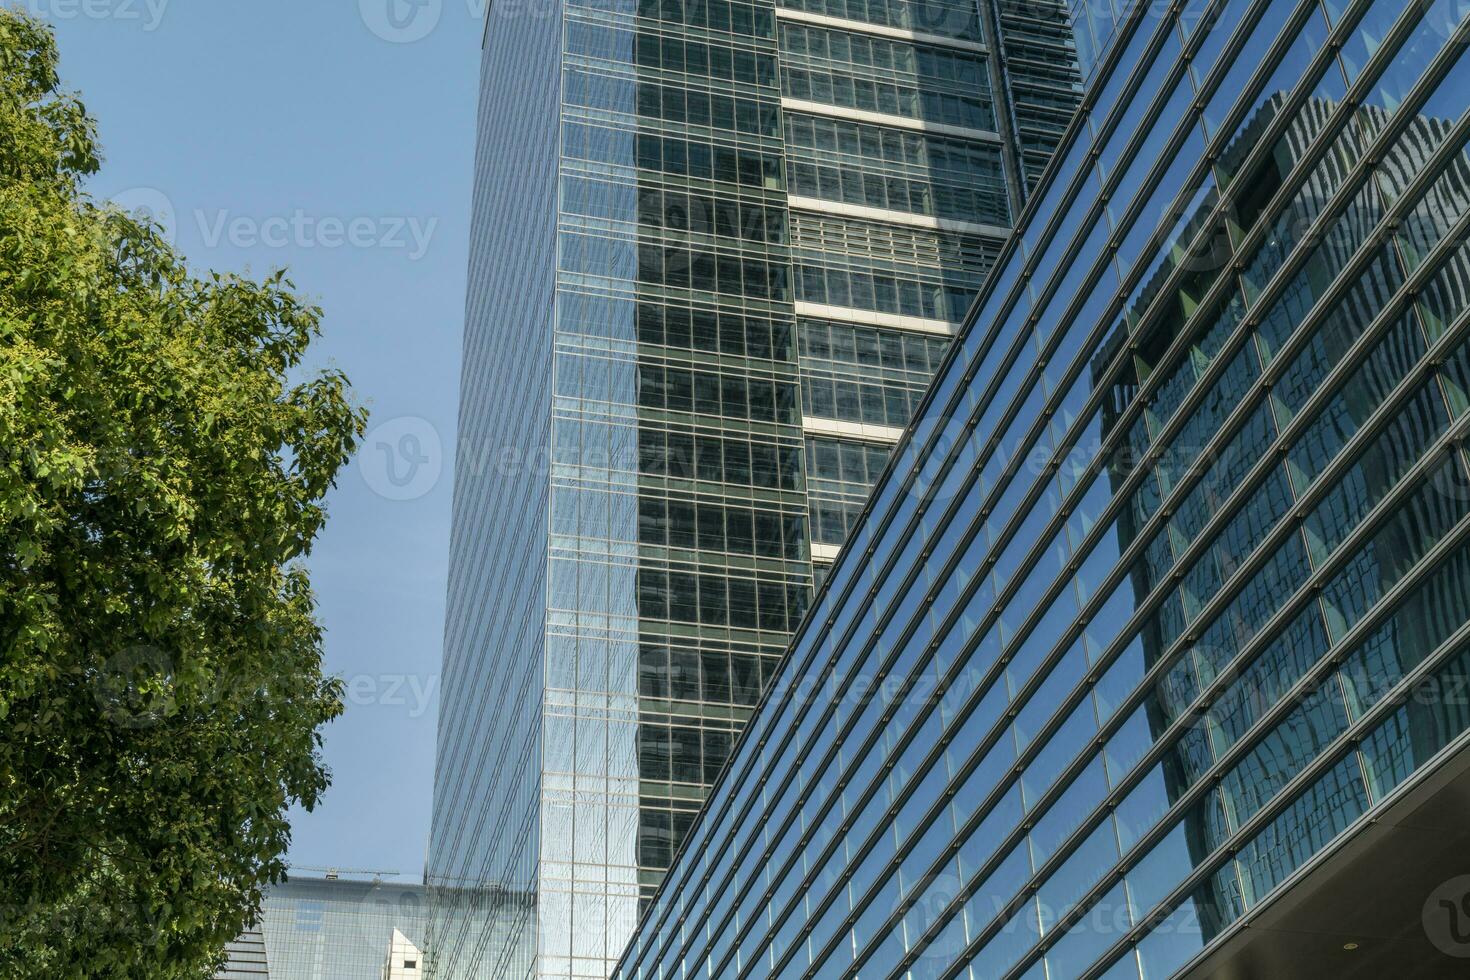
(332, 874)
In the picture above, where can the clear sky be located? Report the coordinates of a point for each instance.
(335, 138)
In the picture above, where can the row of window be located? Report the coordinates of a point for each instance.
(847, 51)
(680, 754)
(871, 266)
(870, 351)
(706, 271)
(595, 375)
(670, 265)
(840, 475)
(706, 214)
(737, 332)
(676, 157)
(723, 332)
(884, 293)
(678, 211)
(688, 56)
(882, 147)
(956, 201)
(720, 600)
(833, 520)
(735, 16)
(892, 98)
(660, 831)
(861, 242)
(881, 167)
(945, 18)
(693, 455)
(581, 511)
(842, 461)
(706, 393)
(704, 161)
(890, 404)
(672, 671)
(681, 105)
(680, 522)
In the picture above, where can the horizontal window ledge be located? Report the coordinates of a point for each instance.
(822, 206)
(873, 318)
(865, 431)
(826, 553)
(878, 30)
(888, 119)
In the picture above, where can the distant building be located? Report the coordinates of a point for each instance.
(405, 960)
(246, 958)
(333, 928)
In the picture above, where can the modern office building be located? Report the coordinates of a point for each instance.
(405, 960)
(245, 958)
(333, 928)
(1149, 656)
(719, 248)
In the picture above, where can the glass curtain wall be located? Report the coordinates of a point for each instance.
(717, 261)
(1134, 625)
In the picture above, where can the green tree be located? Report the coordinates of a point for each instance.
(162, 470)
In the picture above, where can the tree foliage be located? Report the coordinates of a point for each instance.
(162, 470)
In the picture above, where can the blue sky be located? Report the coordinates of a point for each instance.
(335, 139)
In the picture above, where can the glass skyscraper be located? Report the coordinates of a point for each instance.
(1159, 623)
(719, 249)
